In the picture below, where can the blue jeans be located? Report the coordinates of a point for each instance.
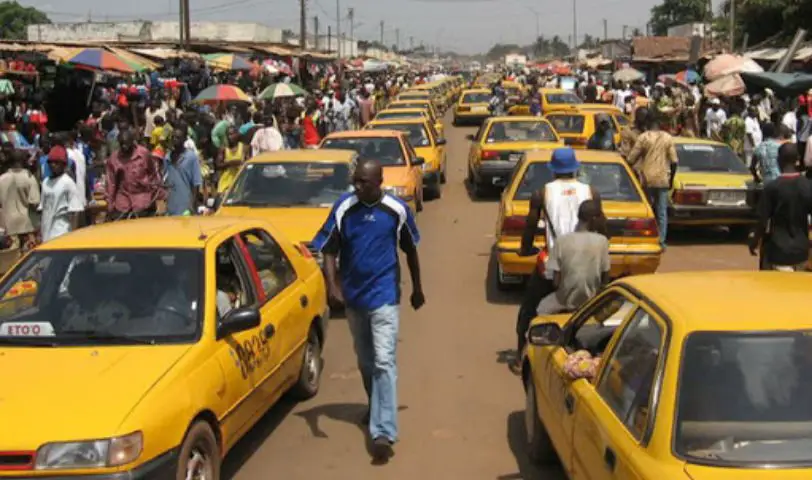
(658, 197)
(375, 338)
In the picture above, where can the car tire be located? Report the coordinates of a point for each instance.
(476, 187)
(418, 202)
(443, 177)
(199, 455)
(455, 122)
(539, 446)
(500, 284)
(307, 386)
(740, 232)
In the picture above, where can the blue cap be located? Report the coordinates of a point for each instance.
(563, 161)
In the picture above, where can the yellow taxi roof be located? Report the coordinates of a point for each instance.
(518, 118)
(424, 101)
(593, 156)
(422, 93)
(728, 300)
(159, 232)
(476, 90)
(553, 90)
(403, 110)
(364, 134)
(697, 141)
(400, 121)
(309, 155)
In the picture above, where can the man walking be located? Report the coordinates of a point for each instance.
(182, 177)
(19, 192)
(364, 231)
(783, 217)
(60, 202)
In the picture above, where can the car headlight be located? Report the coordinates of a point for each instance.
(111, 452)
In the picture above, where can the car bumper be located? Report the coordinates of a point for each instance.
(705, 215)
(626, 260)
(471, 116)
(494, 172)
(431, 178)
(163, 467)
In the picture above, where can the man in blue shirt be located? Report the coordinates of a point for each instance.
(363, 232)
(182, 177)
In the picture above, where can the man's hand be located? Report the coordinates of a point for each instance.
(418, 299)
(336, 294)
(752, 244)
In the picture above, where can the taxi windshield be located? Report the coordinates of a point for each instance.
(568, 123)
(287, 184)
(708, 158)
(562, 98)
(408, 105)
(103, 297)
(480, 97)
(400, 114)
(415, 132)
(745, 398)
(520, 132)
(611, 180)
(386, 150)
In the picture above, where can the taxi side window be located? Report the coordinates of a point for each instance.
(410, 150)
(274, 268)
(234, 290)
(628, 378)
(594, 327)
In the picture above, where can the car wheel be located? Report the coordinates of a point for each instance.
(455, 122)
(418, 201)
(740, 232)
(476, 187)
(501, 285)
(310, 374)
(199, 456)
(539, 447)
(443, 177)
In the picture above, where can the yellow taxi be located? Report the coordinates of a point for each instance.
(402, 167)
(414, 94)
(427, 144)
(486, 80)
(580, 122)
(557, 99)
(392, 114)
(633, 239)
(436, 97)
(711, 186)
(425, 104)
(473, 106)
(152, 346)
(293, 189)
(705, 389)
(498, 146)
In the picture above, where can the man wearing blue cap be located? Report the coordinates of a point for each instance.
(557, 203)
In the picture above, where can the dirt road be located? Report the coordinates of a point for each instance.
(461, 408)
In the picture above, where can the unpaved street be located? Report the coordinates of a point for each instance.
(461, 408)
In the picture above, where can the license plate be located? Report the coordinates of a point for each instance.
(727, 197)
(515, 157)
(479, 109)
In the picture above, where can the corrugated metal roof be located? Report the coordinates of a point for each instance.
(772, 54)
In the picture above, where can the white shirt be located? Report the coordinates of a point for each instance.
(752, 129)
(715, 119)
(59, 200)
(79, 160)
(791, 121)
(562, 199)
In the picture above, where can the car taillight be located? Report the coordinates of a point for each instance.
(464, 109)
(490, 155)
(641, 227)
(514, 225)
(689, 197)
(575, 141)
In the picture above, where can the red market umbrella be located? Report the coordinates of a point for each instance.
(102, 59)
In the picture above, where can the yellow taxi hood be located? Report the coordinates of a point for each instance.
(514, 146)
(711, 179)
(396, 176)
(75, 393)
(610, 209)
(700, 472)
(298, 224)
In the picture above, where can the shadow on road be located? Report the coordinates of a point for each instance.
(706, 236)
(250, 443)
(351, 413)
(516, 441)
(492, 292)
(490, 195)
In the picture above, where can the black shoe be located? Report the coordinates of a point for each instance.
(382, 449)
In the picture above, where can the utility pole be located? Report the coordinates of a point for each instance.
(382, 44)
(624, 31)
(397, 40)
(574, 25)
(187, 24)
(329, 38)
(732, 26)
(411, 43)
(181, 25)
(338, 27)
(351, 17)
(316, 33)
(605, 30)
(303, 25)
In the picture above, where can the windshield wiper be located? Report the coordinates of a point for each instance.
(106, 337)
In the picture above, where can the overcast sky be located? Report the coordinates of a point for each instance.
(466, 26)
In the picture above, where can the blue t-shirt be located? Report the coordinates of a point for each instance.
(366, 239)
(182, 179)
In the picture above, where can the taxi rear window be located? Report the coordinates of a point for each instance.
(709, 158)
(568, 123)
(476, 98)
(559, 98)
(611, 180)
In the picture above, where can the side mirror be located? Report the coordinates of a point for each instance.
(418, 161)
(238, 320)
(544, 334)
(442, 141)
(470, 137)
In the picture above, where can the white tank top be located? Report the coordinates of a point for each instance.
(562, 199)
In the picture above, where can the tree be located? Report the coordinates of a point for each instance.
(764, 19)
(498, 51)
(590, 42)
(15, 19)
(676, 12)
(636, 32)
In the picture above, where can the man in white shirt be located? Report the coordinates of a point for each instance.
(752, 134)
(76, 154)
(715, 117)
(59, 202)
(267, 138)
(790, 120)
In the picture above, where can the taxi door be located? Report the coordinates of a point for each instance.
(238, 355)
(415, 171)
(609, 309)
(439, 146)
(283, 329)
(614, 417)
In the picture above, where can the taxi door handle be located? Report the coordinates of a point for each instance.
(609, 459)
(569, 402)
(304, 301)
(270, 331)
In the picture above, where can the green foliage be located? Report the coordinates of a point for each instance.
(15, 18)
(766, 19)
(676, 12)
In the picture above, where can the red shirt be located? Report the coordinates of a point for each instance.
(311, 133)
(133, 184)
